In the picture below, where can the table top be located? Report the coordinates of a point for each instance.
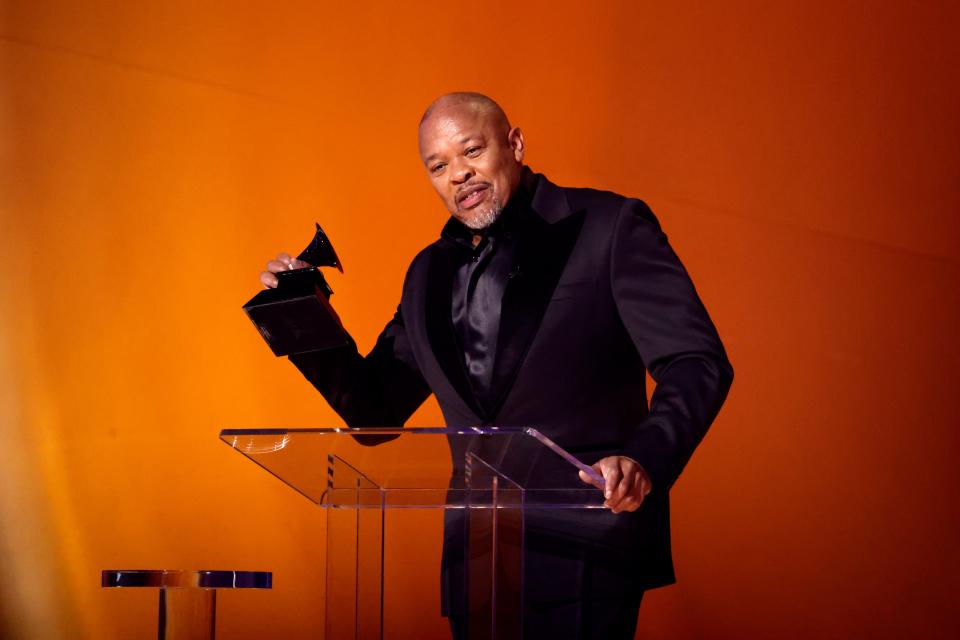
(177, 578)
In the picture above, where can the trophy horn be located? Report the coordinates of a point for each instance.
(320, 252)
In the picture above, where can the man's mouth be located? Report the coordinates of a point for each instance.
(472, 196)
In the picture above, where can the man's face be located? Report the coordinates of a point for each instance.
(473, 160)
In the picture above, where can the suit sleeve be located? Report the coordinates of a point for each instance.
(382, 389)
(676, 339)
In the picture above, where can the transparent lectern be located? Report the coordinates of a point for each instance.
(489, 481)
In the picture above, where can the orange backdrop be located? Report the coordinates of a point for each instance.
(801, 155)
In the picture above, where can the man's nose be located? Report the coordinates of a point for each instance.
(461, 171)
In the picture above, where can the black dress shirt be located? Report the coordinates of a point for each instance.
(479, 283)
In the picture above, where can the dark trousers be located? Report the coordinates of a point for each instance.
(576, 584)
(606, 619)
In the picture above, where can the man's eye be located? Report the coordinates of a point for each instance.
(472, 151)
(437, 168)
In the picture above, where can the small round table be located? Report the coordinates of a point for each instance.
(188, 599)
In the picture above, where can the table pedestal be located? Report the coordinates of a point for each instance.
(188, 599)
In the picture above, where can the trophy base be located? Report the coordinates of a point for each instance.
(296, 317)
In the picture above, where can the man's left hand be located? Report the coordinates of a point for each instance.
(625, 483)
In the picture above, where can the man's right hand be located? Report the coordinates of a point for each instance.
(283, 262)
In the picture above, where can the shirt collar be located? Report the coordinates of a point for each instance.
(516, 210)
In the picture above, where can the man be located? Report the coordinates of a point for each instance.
(544, 306)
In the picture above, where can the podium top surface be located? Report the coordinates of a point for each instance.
(482, 467)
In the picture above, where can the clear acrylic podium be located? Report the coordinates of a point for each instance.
(487, 479)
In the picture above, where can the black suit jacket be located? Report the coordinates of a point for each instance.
(597, 299)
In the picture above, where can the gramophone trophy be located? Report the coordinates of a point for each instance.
(296, 316)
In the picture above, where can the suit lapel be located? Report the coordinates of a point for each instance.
(547, 236)
(545, 244)
(440, 333)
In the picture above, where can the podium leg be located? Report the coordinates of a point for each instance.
(494, 553)
(354, 603)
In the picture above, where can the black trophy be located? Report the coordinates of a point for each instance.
(296, 316)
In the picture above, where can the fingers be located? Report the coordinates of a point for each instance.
(622, 496)
(585, 477)
(626, 483)
(276, 266)
(612, 475)
(292, 263)
(268, 280)
(632, 497)
(283, 262)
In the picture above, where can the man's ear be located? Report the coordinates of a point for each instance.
(515, 138)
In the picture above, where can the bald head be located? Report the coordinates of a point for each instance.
(473, 156)
(470, 101)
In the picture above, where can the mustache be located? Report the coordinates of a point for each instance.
(469, 186)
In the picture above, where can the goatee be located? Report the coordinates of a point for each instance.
(483, 216)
